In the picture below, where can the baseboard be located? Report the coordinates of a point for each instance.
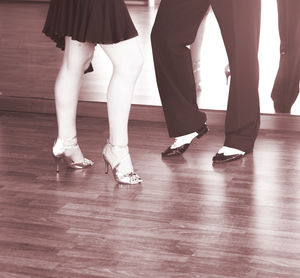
(280, 122)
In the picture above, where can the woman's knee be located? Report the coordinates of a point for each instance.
(77, 65)
(137, 62)
(130, 65)
(78, 56)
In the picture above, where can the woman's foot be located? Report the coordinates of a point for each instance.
(69, 150)
(118, 158)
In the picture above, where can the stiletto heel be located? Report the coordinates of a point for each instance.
(64, 150)
(227, 74)
(57, 161)
(121, 165)
(106, 165)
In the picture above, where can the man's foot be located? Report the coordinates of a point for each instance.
(182, 143)
(226, 154)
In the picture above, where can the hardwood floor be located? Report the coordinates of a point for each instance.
(188, 218)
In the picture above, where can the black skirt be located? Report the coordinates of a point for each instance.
(94, 21)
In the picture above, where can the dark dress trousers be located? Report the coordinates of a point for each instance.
(286, 85)
(175, 27)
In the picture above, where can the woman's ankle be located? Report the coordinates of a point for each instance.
(118, 156)
(68, 142)
(71, 148)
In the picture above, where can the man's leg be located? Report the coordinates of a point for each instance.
(174, 29)
(240, 24)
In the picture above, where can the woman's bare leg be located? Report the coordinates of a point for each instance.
(127, 61)
(77, 57)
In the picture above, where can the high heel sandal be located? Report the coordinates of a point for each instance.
(63, 149)
(227, 74)
(117, 162)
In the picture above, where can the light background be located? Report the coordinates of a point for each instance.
(214, 59)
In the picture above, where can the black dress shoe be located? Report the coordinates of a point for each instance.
(221, 158)
(181, 149)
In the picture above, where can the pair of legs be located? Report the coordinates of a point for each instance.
(127, 62)
(175, 28)
(286, 85)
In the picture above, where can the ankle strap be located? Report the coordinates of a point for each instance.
(116, 146)
(69, 143)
